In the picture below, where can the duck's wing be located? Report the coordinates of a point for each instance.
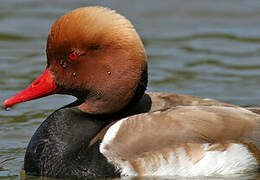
(186, 141)
(196, 129)
(200, 124)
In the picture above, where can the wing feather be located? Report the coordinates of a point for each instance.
(146, 132)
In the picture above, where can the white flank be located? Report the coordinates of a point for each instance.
(236, 159)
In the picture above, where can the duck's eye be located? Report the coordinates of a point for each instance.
(72, 56)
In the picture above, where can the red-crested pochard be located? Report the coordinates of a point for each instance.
(115, 129)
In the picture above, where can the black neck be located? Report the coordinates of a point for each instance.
(140, 89)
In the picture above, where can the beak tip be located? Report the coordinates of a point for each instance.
(6, 104)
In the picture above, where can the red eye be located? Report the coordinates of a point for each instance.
(73, 56)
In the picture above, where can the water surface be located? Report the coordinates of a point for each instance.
(201, 47)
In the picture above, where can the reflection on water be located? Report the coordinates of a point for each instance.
(203, 47)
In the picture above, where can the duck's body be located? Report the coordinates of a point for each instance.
(114, 128)
(71, 144)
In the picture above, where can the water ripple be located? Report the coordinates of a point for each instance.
(214, 52)
(217, 63)
(205, 36)
(14, 37)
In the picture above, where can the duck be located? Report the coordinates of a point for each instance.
(115, 128)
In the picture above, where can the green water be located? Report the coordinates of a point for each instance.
(208, 48)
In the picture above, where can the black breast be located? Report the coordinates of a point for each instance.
(59, 147)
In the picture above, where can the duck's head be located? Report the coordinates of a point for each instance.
(94, 54)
